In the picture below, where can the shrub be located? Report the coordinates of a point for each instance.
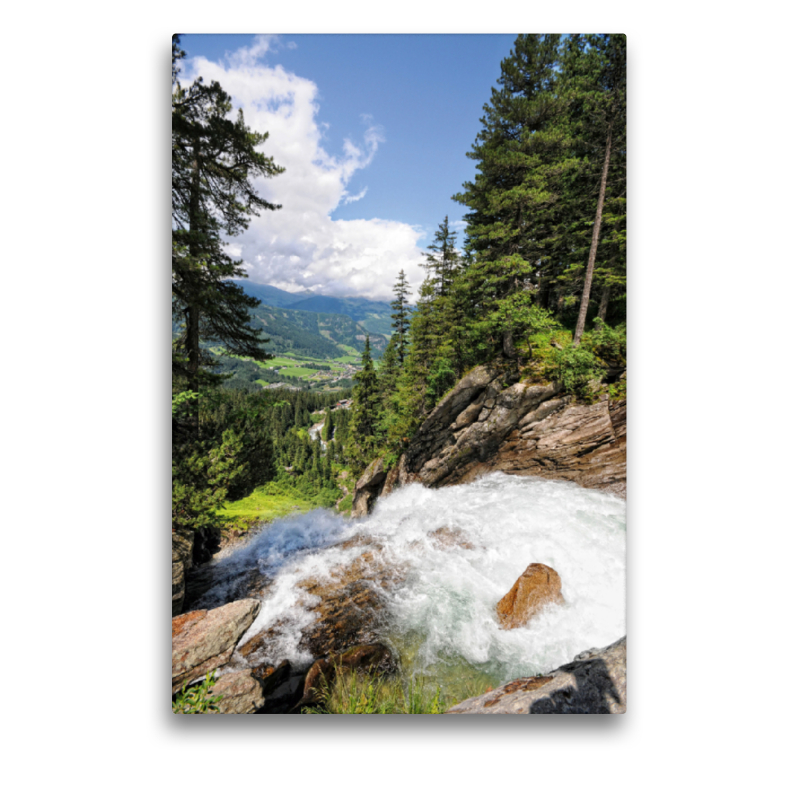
(608, 344)
(576, 368)
(197, 699)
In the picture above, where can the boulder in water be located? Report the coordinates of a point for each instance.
(204, 640)
(537, 587)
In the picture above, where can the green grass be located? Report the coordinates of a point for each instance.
(298, 372)
(280, 361)
(266, 504)
(354, 693)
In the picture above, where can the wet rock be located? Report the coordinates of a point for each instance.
(204, 640)
(594, 683)
(348, 606)
(444, 538)
(238, 693)
(374, 659)
(536, 588)
(368, 488)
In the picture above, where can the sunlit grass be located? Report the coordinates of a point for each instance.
(266, 504)
(355, 693)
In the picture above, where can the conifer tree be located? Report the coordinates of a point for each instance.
(595, 70)
(441, 261)
(365, 412)
(542, 169)
(214, 161)
(401, 315)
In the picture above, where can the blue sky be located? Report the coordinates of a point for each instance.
(373, 131)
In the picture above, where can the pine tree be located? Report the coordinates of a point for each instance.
(441, 261)
(541, 161)
(327, 429)
(365, 413)
(596, 72)
(401, 315)
(214, 160)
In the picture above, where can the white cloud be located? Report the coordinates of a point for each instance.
(300, 246)
(352, 198)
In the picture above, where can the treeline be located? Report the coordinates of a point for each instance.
(544, 247)
(244, 439)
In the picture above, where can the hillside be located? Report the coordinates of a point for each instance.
(374, 316)
(306, 333)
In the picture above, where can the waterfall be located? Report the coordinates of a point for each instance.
(441, 618)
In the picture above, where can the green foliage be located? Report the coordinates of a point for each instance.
(366, 411)
(539, 157)
(400, 318)
(607, 343)
(576, 368)
(197, 699)
(618, 390)
(214, 161)
(181, 398)
(441, 379)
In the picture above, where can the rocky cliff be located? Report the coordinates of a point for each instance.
(489, 421)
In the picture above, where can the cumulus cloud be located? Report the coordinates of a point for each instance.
(300, 246)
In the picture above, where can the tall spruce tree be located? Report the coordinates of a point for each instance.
(441, 261)
(512, 197)
(541, 161)
(214, 161)
(595, 74)
(365, 412)
(401, 316)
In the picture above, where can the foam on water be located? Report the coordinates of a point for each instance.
(443, 617)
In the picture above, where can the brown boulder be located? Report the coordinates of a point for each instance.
(537, 587)
(238, 693)
(204, 640)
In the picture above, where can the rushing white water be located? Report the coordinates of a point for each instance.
(442, 618)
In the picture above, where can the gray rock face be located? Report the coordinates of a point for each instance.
(239, 693)
(204, 640)
(488, 423)
(368, 485)
(594, 683)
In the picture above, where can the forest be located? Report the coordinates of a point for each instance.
(539, 284)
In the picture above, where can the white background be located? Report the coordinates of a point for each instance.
(713, 524)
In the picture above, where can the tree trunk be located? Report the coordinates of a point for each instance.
(604, 298)
(193, 311)
(508, 344)
(598, 221)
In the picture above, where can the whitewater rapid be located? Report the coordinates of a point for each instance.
(442, 619)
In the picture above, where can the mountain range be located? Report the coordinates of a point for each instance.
(372, 315)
